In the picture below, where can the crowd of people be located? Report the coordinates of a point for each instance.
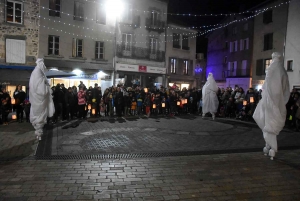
(79, 101)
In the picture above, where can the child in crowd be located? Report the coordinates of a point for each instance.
(27, 106)
(133, 106)
(102, 108)
(139, 105)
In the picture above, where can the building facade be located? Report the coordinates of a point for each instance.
(77, 36)
(292, 47)
(18, 42)
(180, 57)
(200, 70)
(140, 47)
(229, 52)
(269, 36)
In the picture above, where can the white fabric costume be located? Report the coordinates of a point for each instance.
(270, 113)
(40, 97)
(209, 97)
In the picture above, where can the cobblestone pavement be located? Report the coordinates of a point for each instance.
(243, 176)
(137, 135)
(17, 140)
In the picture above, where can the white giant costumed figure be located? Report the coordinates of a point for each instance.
(270, 113)
(209, 97)
(40, 97)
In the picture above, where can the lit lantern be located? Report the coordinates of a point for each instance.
(185, 101)
(146, 90)
(89, 106)
(182, 101)
(85, 108)
(14, 117)
(163, 105)
(251, 100)
(244, 102)
(154, 106)
(94, 100)
(178, 103)
(13, 101)
(93, 111)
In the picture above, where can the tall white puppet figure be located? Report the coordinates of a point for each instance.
(40, 97)
(270, 113)
(210, 101)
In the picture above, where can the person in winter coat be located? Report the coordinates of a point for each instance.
(270, 113)
(5, 106)
(81, 103)
(19, 96)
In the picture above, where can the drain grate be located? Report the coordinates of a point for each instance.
(152, 155)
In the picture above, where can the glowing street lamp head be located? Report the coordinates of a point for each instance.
(114, 8)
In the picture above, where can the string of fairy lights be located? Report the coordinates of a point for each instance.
(189, 14)
(192, 35)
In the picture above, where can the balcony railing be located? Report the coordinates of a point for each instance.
(237, 73)
(155, 25)
(139, 53)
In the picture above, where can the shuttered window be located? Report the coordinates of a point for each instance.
(15, 51)
(77, 47)
(260, 67)
(78, 11)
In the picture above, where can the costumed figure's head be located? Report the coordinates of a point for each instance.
(276, 56)
(210, 76)
(40, 64)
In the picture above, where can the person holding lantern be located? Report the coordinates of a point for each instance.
(270, 113)
(210, 102)
(40, 97)
(19, 96)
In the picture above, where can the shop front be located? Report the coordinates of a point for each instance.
(138, 75)
(12, 76)
(257, 84)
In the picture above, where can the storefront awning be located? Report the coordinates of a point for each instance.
(17, 67)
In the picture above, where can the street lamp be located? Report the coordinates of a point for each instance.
(114, 9)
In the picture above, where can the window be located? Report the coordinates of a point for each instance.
(53, 45)
(176, 40)
(232, 66)
(14, 12)
(99, 50)
(225, 60)
(185, 67)
(127, 13)
(154, 17)
(126, 41)
(226, 31)
(244, 44)
(290, 65)
(268, 41)
(267, 17)
(77, 47)
(15, 51)
(101, 15)
(185, 42)
(262, 65)
(245, 27)
(234, 31)
(173, 65)
(153, 45)
(54, 8)
(78, 11)
(235, 46)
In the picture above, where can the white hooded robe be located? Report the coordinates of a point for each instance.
(270, 113)
(40, 98)
(210, 102)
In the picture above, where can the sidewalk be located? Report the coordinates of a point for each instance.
(231, 176)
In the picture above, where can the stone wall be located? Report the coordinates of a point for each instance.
(28, 30)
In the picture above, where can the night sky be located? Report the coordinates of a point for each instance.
(206, 7)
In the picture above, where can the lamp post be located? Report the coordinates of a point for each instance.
(114, 9)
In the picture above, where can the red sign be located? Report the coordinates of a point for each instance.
(143, 69)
